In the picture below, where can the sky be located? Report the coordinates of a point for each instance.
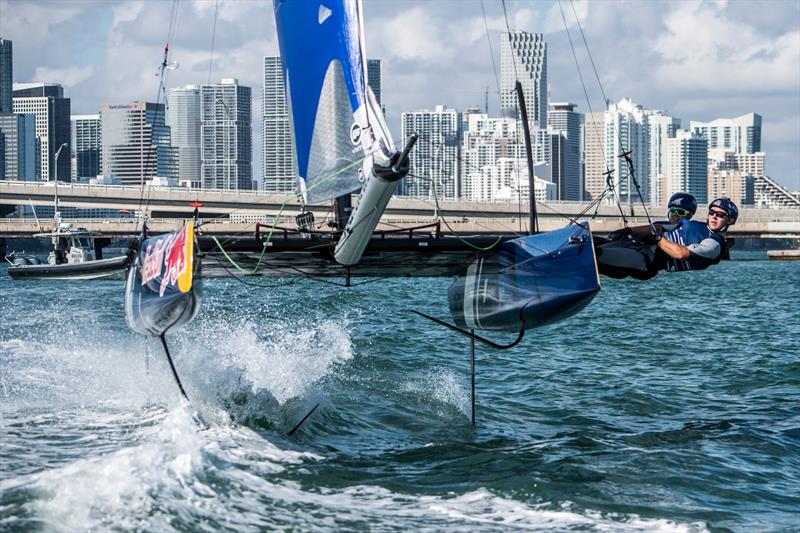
(694, 60)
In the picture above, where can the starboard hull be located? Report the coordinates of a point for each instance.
(531, 281)
(162, 292)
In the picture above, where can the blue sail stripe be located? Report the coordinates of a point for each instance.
(312, 35)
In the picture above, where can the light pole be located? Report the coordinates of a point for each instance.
(58, 152)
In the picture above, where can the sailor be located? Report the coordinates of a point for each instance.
(693, 245)
(681, 205)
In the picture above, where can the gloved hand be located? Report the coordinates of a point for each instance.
(619, 234)
(649, 234)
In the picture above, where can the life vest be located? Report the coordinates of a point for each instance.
(693, 232)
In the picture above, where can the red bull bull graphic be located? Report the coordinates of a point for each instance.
(162, 290)
(170, 257)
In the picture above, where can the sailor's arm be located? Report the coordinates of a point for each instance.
(707, 249)
(673, 249)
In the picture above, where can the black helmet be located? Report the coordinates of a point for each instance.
(727, 205)
(683, 200)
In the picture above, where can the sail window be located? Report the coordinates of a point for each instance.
(324, 13)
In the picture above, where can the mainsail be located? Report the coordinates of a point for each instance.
(336, 122)
(341, 138)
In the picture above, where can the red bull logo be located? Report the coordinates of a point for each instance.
(170, 257)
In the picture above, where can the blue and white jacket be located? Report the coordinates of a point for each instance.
(706, 247)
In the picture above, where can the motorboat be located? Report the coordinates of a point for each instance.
(72, 256)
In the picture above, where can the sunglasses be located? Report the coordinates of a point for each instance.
(717, 214)
(678, 211)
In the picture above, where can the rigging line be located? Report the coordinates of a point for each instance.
(606, 100)
(588, 51)
(491, 51)
(438, 212)
(280, 212)
(244, 281)
(508, 29)
(469, 167)
(213, 40)
(583, 85)
(172, 28)
(364, 69)
(598, 138)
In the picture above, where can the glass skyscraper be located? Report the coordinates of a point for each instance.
(53, 128)
(136, 143)
(184, 121)
(6, 76)
(226, 136)
(523, 56)
(88, 145)
(279, 174)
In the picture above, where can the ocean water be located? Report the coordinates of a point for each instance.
(667, 405)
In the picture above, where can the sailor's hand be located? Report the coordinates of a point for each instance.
(619, 234)
(649, 234)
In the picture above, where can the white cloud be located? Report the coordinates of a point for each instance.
(703, 49)
(698, 60)
(68, 76)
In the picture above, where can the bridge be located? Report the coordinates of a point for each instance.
(228, 212)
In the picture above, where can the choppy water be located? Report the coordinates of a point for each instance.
(669, 405)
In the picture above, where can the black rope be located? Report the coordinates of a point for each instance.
(171, 30)
(213, 40)
(491, 51)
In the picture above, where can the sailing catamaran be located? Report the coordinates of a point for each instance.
(343, 145)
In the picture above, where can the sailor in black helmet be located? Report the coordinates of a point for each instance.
(681, 206)
(632, 251)
(693, 245)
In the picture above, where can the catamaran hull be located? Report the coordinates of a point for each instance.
(113, 268)
(162, 292)
(532, 281)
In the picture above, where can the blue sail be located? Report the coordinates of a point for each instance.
(335, 122)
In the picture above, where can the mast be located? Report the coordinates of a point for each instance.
(533, 222)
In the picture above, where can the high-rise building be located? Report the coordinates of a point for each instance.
(136, 143)
(596, 164)
(6, 76)
(561, 117)
(752, 164)
(88, 146)
(278, 170)
(687, 165)
(435, 156)
(226, 137)
(17, 147)
(183, 119)
(626, 130)
(741, 134)
(523, 56)
(52, 110)
(494, 163)
(484, 142)
(725, 180)
(661, 128)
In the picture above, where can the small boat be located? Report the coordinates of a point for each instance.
(72, 257)
(784, 255)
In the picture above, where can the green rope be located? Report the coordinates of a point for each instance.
(290, 198)
(438, 215)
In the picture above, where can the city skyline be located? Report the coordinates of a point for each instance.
(761, 76)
